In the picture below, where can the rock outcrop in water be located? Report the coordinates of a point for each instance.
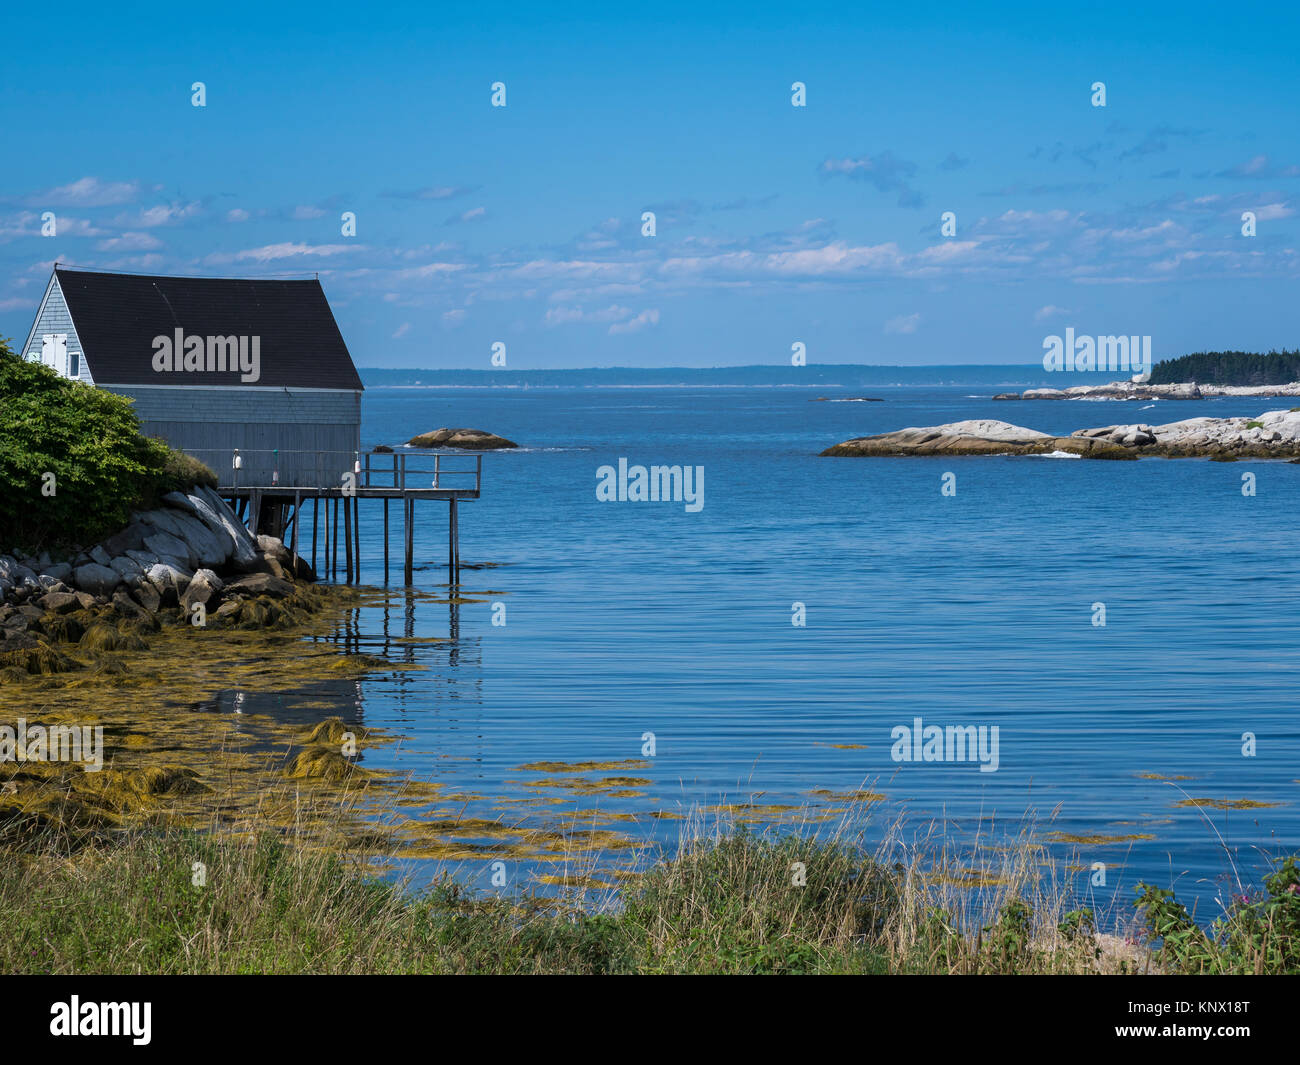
(1126, 390)
(193, 552)
(467, 439)
(1274, 434)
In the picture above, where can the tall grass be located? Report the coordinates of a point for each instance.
(726, 901)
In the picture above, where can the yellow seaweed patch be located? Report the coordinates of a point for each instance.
(966, 878)
(618, 787)
(322, 763)
(583, 881)
(1096, 840)
(1159, 776)
(858, 795)
(333, 731)
(584, 767)
(1226, 804)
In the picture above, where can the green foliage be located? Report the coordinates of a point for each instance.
(73, 464)
(1229, 368)
(1259, 934)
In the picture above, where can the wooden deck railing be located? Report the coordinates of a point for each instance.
(369, 473)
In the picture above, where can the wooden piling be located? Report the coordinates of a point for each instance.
(356, 536)
(385, 539)
(410, 539)
(347, 539)
(315, 521)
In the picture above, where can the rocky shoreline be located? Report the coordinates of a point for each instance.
(1271, 435)
(1129, 390)
(190, 561)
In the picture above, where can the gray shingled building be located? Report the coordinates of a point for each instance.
(213, 365)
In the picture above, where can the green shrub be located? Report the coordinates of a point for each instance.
(73, 464)
(1260, 933)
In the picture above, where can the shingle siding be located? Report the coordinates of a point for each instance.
(55, 318)
(210, 423)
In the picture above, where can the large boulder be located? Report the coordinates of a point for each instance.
(165, 543)
(96, 579)
(256, 584)
(212, 510)
(129, 539)
(467, 439)
(170, 581)
(207, 547)
(131, 571)
(59, 602)
(204, 588)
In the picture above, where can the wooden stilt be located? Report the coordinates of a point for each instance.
(297, 520)
(334, 547)
(356, 536)
(385, 539)
(347, 538)
(453, 543)
(315, 521)
(410, 539)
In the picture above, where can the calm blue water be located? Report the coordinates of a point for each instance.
(627, 618)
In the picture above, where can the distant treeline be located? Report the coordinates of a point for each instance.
(1229, 368)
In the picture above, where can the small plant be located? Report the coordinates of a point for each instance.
(1259, 934)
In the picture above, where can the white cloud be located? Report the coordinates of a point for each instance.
(90, 192)
(632, 325)
(288, 250)
(130, 242)
(904, 323)
(1050, 311)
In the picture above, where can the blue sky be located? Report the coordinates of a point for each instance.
(775, 224)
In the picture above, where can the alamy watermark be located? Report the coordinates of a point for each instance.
(952, 743)
(213, 354)
(652, 484)
(1085, 353)
(57, 743)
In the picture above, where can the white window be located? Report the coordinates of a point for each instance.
(54, 352)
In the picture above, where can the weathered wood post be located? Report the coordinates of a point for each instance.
(410, 538)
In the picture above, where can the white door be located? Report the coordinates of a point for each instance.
(54, 352)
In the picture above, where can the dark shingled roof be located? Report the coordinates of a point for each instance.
(117, 317)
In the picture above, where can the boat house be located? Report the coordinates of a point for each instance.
(214, 366)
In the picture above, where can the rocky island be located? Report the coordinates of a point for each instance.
(1126, 390)
(466, 439)
(1271, 435)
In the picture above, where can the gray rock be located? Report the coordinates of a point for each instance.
(164, 543)
(126, 605)
(148, 597)
(129, 539)
(220, 516)
(207, 547)
(60, 571)
(99, 556)
(169, 581)
(96, 579)
(204, 588)
(165, 519)
(60, 602)
(131, 571)
(274, 547)
(181, 501)
(260, 584)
